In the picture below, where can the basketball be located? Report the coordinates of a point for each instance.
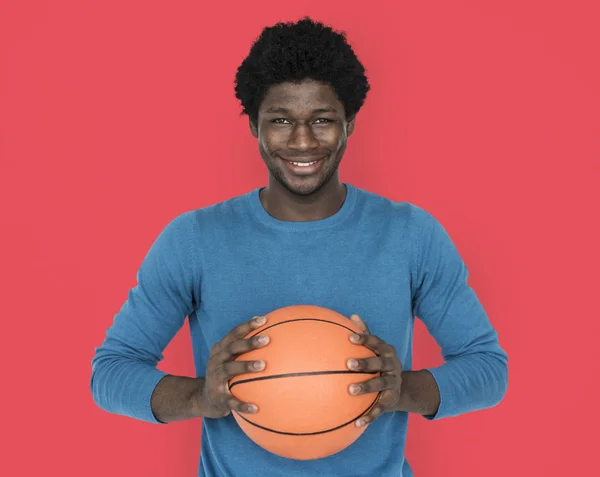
(305, 411)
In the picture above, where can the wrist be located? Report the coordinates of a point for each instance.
(404, 403)
(419, 393)
(196, 399)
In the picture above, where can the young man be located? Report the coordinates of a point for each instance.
(306, 238)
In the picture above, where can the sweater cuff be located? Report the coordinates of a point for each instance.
(448, 405)
(143, 385)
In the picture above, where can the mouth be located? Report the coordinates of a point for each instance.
(303, 164)
(305, 167)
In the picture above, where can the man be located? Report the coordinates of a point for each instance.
(305, 238)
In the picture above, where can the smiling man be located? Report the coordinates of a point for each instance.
(307, 237)
(302, 131)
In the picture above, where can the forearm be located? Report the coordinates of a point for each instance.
(471, 382)
(177, 398)
(419, 393)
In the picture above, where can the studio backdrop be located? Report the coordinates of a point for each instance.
(117, 116)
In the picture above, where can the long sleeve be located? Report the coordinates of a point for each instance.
(475, 371)
(124, 367)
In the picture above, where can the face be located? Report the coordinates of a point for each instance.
(302, 132)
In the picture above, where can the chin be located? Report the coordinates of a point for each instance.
(307, 187)
(304, 190)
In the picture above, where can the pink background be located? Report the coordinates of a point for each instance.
(115, 116)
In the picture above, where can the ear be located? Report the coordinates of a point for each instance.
(253, 128)
(350, 128)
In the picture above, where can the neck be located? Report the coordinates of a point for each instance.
(285, 205)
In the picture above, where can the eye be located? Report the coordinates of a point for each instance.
(279, 120)
(323, 121)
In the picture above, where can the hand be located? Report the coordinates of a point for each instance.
(217, 400)
(389, 383)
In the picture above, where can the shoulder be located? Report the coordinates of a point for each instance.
(225, 213)
(198, 232)
(404, 213)
(187, 234)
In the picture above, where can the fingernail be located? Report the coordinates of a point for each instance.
(360, 423)
(252, 408)
(354, 389)
(260, 320)
(352, 364)
(259, 365)
(355, 338)
(263, 340)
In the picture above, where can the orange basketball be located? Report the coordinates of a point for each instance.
(304, 408)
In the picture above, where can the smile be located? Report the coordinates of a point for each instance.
(304, 164)
(304, 168)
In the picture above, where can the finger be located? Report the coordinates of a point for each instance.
(375, 344)
(357, 320)
(374, 385)
(370, 417)
(372, 365)
(243, 407)
(235, 368)
(238, 347)
(239, 332)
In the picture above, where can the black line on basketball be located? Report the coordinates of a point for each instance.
(295, 375)
(255, 332)
(309, 433)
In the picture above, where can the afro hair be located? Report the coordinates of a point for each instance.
(293, 52)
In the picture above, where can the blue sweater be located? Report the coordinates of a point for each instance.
(387, 261)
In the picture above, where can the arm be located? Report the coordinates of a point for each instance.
(475, 371)
(124, 368)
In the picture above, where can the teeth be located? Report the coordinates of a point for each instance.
(305, 164)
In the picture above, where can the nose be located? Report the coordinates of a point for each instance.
(302, 138)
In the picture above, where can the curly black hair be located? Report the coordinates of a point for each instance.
(293, 52)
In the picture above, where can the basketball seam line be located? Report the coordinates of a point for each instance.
(310, 433)
(293, 375)
(255, 332)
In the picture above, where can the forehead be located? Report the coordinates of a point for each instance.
(301, 97)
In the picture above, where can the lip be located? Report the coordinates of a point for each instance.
(304, 170)
(303, 160)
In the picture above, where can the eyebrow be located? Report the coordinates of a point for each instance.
(276, 109)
